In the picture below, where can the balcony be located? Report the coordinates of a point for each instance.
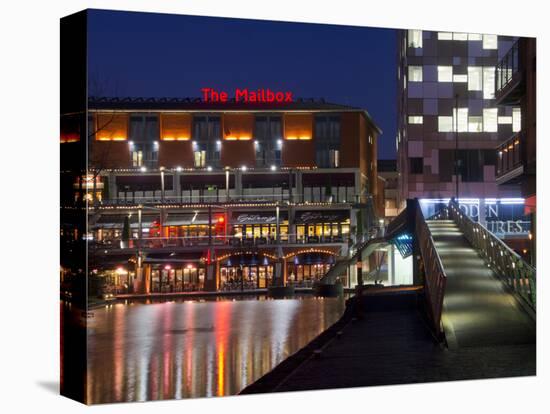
(509, 79)
(509, 159)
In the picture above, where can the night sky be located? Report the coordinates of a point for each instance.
(162, 55)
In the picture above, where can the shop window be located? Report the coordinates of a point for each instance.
(268, 135)
(415, 73)
(416, 165)
(505, 120)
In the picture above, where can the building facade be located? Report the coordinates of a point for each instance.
(516, 83)
(188, 195)
(449, 125)
(387, 172)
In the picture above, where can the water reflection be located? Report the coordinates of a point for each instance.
(139, 352)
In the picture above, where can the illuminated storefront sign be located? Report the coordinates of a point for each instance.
(247, 95)
(504, 217)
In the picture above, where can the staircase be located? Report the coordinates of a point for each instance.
(478, 309)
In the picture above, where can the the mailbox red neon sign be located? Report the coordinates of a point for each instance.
(247, 95)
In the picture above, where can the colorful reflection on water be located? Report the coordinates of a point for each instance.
(139, 351)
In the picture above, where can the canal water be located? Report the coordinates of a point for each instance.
(199, 348)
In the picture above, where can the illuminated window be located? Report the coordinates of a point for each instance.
(475, 124)
(516, 119)
(444, 36)
(460, 36)
(490, 41)
(505, 120)
(490, 116)
(200, 159)
(475, 78)
(462, 119)
(416, 119)
(415, 38)
(444, 123)
(137, 158)
(445, 73)
(488, 83)
(474, 36)
(460, 78)
(415, 73)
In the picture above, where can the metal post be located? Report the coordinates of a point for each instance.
(162, 184)
(226, 185)
(457, 170)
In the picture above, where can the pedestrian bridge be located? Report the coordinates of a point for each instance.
(478, 292)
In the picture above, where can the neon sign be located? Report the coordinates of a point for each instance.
(247, 95)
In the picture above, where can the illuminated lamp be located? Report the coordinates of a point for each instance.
(143, 168)
(231, 138)
(119, 138)
(221, 219)
(167, 267)
(291, 138)
(243, 168)
(209, 168)
(304, 138)
(245, 138)
(273, 168)
(168, 139)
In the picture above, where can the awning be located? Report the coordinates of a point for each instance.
(117, 221)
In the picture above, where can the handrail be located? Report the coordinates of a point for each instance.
(515, 272)
(435, 279)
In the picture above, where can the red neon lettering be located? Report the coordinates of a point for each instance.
(246, 95)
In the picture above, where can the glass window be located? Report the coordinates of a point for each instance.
(516, 119)
(505, 120)
(416, 165)
(444, 36)
(416, 119)
(415, 38)
(474, 78)
(445, 73)
(490, 41)
(460, 78)
(415, 73)
(475, 124)
(444, 123)
(490, 120)
(462, 119)
(460, 36)
(488, 83)
(474, 36)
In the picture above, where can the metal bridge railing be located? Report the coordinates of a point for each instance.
(515, 272)
(435, 279)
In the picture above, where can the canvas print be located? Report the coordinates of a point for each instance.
(257, 206)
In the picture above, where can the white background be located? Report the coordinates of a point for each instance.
(29, 254)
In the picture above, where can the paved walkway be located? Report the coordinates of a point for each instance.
(393, 345)
(478, 310)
